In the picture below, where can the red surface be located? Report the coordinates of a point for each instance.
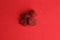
(48, 20)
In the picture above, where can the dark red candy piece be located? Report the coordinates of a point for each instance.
(27, 18)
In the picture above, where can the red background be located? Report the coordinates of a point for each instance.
(48, 20)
